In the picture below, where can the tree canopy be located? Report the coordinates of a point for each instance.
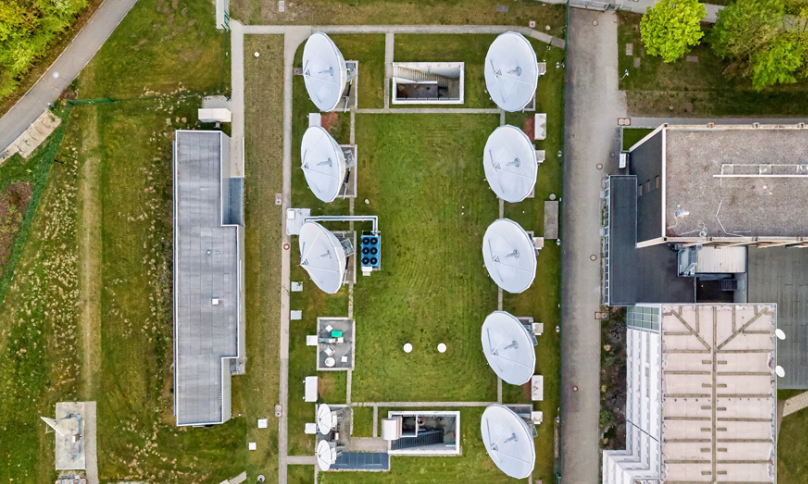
(27, 29)
(672, 27)
(764, 40)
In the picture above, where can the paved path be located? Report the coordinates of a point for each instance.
(795, 404)
(408, 29)
(237, 97)
(636, 6)
(644, 122)
(389, 52)
(301, 460)
(429, 111)
(593, 104)
(69, 64)
(422, 404)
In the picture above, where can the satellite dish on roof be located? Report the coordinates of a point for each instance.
(508, 441)
(508, 348)
(781, 335)
(323, 256)
(780, 371)
(324, 71)
(509, 255)
(325, 419)
(511, 71)
(325, 455)
(510, 163)
(323, 163)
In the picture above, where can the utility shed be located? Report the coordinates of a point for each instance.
(208, 277)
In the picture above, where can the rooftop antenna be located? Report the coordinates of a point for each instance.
(512, 54)
(503, 331)
(516, 179)
(324, 72)
(508, 441)
(509, 255)
(323, 162)
(322, 256)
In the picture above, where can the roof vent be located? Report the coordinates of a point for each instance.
(215, 301)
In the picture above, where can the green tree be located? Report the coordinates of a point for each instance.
(672, 27)
(764, 40)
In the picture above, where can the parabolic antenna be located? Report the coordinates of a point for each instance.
(508, 441)
(780, 371)
(324, 418)
(323, 257)
(509, 255)
(510, 163)
(323, 163)
(324, 71)
(325, 455)
(511, 71)
(508, 348)
(781, 335)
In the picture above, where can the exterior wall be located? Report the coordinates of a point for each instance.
(641, 459)
(226, 390)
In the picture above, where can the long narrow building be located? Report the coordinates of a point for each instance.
(208, 277)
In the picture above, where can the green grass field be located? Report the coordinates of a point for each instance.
(792, 445)
(696, 88)
(406, 12)
(632, 136)
(423, 177)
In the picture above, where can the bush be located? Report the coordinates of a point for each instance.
(27, 30)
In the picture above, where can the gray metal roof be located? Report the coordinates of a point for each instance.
(206, 265)
(780, 275)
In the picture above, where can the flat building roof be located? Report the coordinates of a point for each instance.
(206, 277)
(734, 181)
(718, 393)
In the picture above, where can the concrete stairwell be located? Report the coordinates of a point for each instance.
(414, 75)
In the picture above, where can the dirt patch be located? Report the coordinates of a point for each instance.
(529, 128)
(329, 121)
(613, 381)
(13, 205)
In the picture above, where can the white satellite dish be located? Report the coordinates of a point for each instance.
(508, 348)
(508, 441)
(323, 163)
(326, 455)
(780, 371)
(325, 419)
(323, 257)
(509, 255)
(510, 163)
(781, 335)
(324, 71)
(511, 71)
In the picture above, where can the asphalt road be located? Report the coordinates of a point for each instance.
(68, 65)
(593, 104)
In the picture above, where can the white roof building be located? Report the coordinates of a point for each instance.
(509, 255)
(701, 397)
(324, 71)
(323, 257)
(510, 163)
(508, 441)
(508, 347)
(323, 163)
(511, 71)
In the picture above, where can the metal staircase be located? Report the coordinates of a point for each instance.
(425, 437)
(414, 75)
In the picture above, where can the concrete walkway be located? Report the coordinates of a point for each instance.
(301, 460)
(593, 104)
(69, 64)
(422, 404)
(429, 111)
(634, 6)
(645, 122)
(795, 404)
(408, 29)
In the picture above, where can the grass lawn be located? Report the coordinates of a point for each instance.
(401, 12)
(362, 422)
(299, 475)
(423, 177)
(469, 49)
(257, 391)
(792, 445)
(696, 88)
(632, 136)
(38, 363)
